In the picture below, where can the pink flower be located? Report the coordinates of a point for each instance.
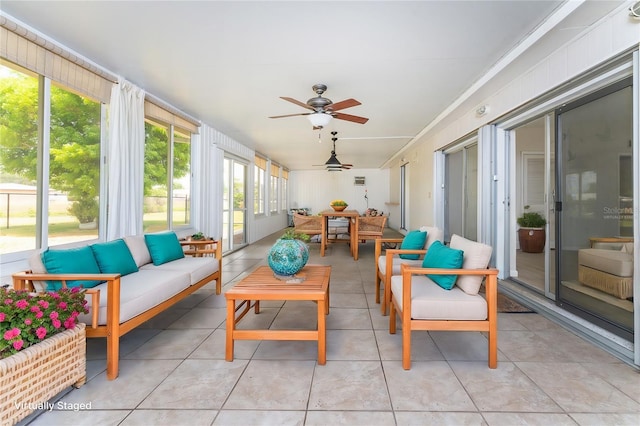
(43, 303)
(56, 323)
(35, 308)
(10, 334)
(39, 314)
(62, 305)
(27, 321)
(17, 345)
(8, 301)
(2, 316)
(53, 315)
(41, 332)
(69, 324)
(22, 304)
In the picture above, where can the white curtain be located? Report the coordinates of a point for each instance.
(125, 161)
(208, 183)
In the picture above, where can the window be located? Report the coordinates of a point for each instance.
(181, 198)
(259, 185)
(65, 208)
(273, 188)
(166, 171)
(284, 201)
(156, 175)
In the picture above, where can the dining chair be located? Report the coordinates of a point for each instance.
(367, 228)
(310, 225)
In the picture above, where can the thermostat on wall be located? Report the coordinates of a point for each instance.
(358, 180)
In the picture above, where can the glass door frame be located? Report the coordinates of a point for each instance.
(228, 208)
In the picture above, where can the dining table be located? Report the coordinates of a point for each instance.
(326, 214)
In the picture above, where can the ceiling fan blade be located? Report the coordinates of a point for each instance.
(290, 115)
(297, 102)
(347, 103)
(347, 166)
(349, 117)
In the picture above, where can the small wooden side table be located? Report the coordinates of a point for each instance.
(262, 285)
(198, 248)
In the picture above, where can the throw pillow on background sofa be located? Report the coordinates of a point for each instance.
(114, 257)
(164, 247)
(414, 240)
(70, 261)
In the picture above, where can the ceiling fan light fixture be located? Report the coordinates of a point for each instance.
(319, 119)
(333, 161)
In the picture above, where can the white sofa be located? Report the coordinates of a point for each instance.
(120, 303)
(608, 268)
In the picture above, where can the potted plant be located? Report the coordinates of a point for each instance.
(198, 236)
(42, 348)
(531, 234)
(289, 254)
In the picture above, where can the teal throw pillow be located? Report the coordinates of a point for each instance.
(441, 256)
(70, 261)
(414, 240)
(114, 257)
(163, 247)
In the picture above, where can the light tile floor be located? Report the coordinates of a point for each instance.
(173, 372)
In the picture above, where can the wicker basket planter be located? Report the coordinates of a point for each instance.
(30, 378)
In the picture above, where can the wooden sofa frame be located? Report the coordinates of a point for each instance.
(113, 329)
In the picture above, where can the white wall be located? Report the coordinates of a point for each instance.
(600, 42)
(315, 189)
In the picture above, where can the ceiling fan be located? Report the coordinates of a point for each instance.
(323, 109)
(332, 164)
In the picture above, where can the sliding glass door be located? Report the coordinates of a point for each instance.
(461, 193)
(234, 217)
(594, 207)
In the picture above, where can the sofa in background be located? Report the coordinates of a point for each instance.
(608, 268)
(128, 281)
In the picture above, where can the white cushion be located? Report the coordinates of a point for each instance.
(197, 267)
(433, 234)
(138, 248)
(430, 301)
(140, 292)
(37, 267)
(476, 256)
(610, 261)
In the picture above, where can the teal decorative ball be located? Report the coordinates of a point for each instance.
(287, 257)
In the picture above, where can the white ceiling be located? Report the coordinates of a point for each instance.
(228, 62)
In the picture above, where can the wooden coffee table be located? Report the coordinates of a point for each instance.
(262, 285)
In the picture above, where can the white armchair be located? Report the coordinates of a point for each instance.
(425, 305)
(391, 261)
